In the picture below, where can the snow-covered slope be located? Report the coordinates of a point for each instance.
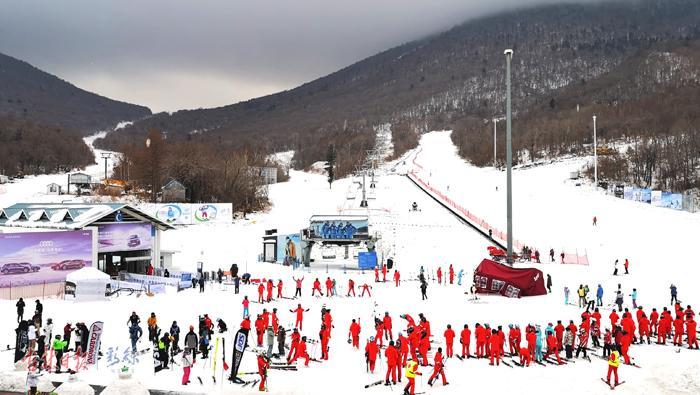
(548, 212)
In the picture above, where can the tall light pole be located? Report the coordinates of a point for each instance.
(106, 156)
(595, 155)
(509, 159)
(495, 121)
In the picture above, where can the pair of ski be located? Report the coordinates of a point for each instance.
(612, 386)
(250, 383)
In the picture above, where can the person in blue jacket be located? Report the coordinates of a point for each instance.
(459, 276)
(135, 334)
(599, 295)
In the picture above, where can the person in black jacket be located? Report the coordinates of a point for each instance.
(175, 334)
(133, 319)
(20, 309)
(39, 310)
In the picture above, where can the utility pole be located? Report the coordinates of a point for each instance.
(495, 121)
(595, 155)
(509, 159)
(106, 156)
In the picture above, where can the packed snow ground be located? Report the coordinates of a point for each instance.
(548, 211)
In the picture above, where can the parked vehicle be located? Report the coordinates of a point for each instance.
(69, 264)
(134, 241)
(19, 268)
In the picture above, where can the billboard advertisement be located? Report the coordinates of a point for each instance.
(124, 237)
(656, 198)
(212, 212)
(339, 227)
(628, 193)
(39, 257)
(173, 214)
(289, 249)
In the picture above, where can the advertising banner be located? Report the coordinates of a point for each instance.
(173, 214)
(289, 249)
(94, 338)
(124, 237)
(212, 213)
(42, 257)
(340, 227)
(628, 193)
(239, 344)
(645, 196)
(656, 198)
(676, 201)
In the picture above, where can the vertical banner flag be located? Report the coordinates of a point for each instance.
(94, 338)
(240, 342)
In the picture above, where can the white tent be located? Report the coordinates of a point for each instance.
(90, 283)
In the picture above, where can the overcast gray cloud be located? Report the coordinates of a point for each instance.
(175, 54)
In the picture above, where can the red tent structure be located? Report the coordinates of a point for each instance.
(493, 278)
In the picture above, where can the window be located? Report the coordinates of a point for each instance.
(512, 292)
(497, 285)
(481, 282)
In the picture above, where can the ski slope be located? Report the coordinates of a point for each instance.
(548, 211)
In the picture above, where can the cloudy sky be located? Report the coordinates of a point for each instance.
(177, 54)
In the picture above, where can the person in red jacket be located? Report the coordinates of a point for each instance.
(487, 332)
(329, 287)
(451, 274)
(387, 326)
(654, 321)
(265, 316)
(275, 321)
(438, 368)
(300, 352)
(531, 338)
(525, 357)
(376, 274)
(300, 317)
(371, 351)
(425, 324)
(495, 346)
(678, 331)
(439, 275)
(261, 290)
(325, 335)
(559, 330)
(513, 343)
(480, 335)
(423, 348)
(245, 324)
(464, 339)
(552, 347)
(392, 363)
(351, 287)
(414, 342)
(298, 282)
(379, 327)
(316, 287)
(383, 273)
(259, 330)
(366, 288)
(691, 330)
(403, 345)
(397, 277)
(263, 365)
(279, 289)
(644, 329)
(625, 345)
(614, 318)
(449, 339)
(270, 287)
(354, 333)
(596, 315)
(296, 338)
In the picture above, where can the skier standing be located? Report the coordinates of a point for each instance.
(245, 303)
(451, 273)
(566, 295)
(298, 282)
(354, 333)
(316, 287)
(371, 351)
(438, 368)
(366, 288)
(397, 278)
(20, 309)
(190, 343)
(411, 373)
(615, 271)
(263, 365)
(59, 346)
(449, 338)
(175, 333)
(549, 283)
(424, 290)
(187, 363)
(392, 363)
(459, 277)
(619, 299)
(281, 338)
(599, 295)
(300, 316)
(135, 334)
(674, 294)
(613, 363)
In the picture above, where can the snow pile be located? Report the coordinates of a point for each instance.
(125, 385)
(74, 387)
(12, 382)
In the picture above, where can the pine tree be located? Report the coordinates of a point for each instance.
(330, 165)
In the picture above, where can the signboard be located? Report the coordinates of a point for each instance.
(239, 345)
(289, 249)
(190, 213)
(367, 260)
(656, 199)
(339, 227)
(675, 201)
(124, 237)
(627, 193)
(42, 257)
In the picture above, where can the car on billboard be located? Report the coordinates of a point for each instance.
(133, 241)
(19, 268)
(69, 264)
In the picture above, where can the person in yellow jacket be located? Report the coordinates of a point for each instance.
(411, 373)
(613, 363)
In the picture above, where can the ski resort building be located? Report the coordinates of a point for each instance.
(40, 243)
